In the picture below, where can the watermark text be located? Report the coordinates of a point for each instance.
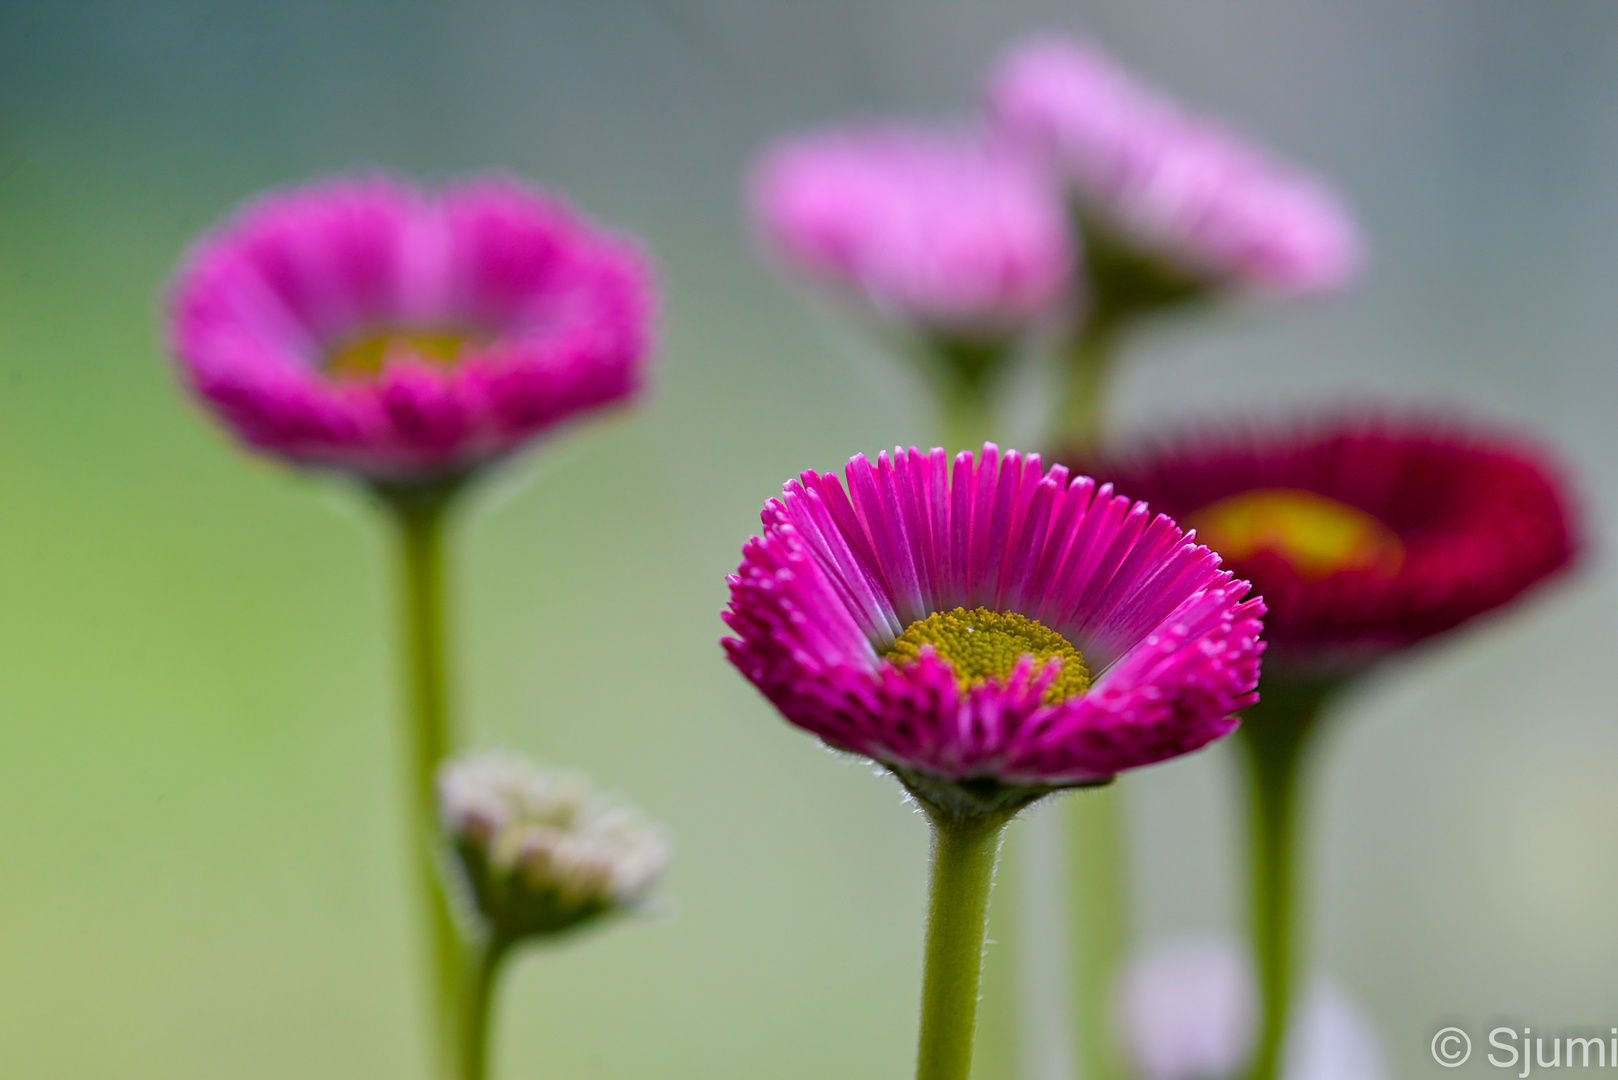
(1521, 1050)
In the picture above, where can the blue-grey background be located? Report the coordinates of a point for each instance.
(201, 860)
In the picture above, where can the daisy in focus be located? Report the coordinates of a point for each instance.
(989, 623)
(989, 631)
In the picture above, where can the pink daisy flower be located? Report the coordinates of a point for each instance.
(367, 325)
(1178, 189)
(947, 230)
(989, 630)
(1366, 533)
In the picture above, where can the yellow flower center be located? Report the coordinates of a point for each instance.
(1316, 535)
(365, 356)
(981, 644)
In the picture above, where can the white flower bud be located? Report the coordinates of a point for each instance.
(540, 850)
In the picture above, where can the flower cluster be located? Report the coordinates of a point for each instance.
(985, 627)
(967, 229)
(1080, 200)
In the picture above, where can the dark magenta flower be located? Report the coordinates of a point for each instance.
(1364, 533)
(1367, 533)
(373, 327)
(991, 623)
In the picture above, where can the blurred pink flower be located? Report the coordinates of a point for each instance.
(990, 625)
(1178, 187)
(949, 230)
(370, 326)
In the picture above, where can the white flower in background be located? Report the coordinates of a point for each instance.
(1188, 1008)
(1334, 1039)
(541, 851)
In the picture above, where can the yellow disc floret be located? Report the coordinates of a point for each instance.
(364, 357)
(1316, 534)
(981, 644)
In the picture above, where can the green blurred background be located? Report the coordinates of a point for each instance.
(202, 864)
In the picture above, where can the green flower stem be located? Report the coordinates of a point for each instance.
(968, 420)
(963, 858)
(1087, 365)
(1096, 902)
(1274, 733)
(964, 371)
(1124, 285)
(482, 973)
(419, 513)
(998, 1050)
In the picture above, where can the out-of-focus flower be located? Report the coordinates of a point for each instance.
(373, 327)
(1189, 1010)
(1182, 192)
(540, 850)
(1364, 532)
(989, 630)
(1367, 533)
(949, 231)
(1333, 1039)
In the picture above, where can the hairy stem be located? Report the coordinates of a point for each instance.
(999, 1047)
(963, 858)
